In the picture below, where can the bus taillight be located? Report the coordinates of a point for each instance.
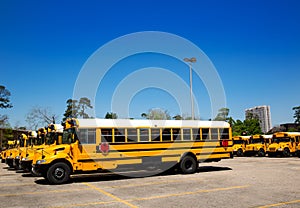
(224, 143)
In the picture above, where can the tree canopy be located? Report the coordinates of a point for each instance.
(4, 103)
(5, 97)
(249, 126)
(222, 115)
(77, 108)
(156, 114)
(40, 116)
(297, 114)
(111, 115)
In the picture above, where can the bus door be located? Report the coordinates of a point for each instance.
(293, 144)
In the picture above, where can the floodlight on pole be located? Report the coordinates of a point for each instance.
(190, 61)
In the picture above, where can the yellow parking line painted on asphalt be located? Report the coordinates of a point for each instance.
(86, 204)
(110, 195)
(152, 183)
(44, 192)
(150, 198)
(15, 184)
(280, 204)
(188, 193)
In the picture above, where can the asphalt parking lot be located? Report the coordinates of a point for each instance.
(238, 182)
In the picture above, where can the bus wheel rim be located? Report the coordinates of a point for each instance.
(59, 173)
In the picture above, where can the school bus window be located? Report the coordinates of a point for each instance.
(214, 134)
(205, 133)
(132, 135)
(166, 135)
(91, 136)
(186, 134)
(119, 135)
(155, 135)
(196, 134)
(106, 135)
(144, 135)
(82, 133)
(224, 133)
(176, 134)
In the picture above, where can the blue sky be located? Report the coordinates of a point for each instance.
(253, 44)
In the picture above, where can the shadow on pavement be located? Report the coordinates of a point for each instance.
(112, 176)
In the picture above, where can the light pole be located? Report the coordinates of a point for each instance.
(190, 61)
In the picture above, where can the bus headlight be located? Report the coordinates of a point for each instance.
(17, 158)
(279, 149)
(40, 162)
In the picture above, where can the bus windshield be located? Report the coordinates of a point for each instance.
(69, 136)
(256, 141)
(40, 140)
(281, 139)
(238, 141)
(50, 138)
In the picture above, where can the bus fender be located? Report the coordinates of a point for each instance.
(187, 153)
(64, 161)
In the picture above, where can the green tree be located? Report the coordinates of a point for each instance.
(252, 126)
(6, 133)
(5, 98)
(111, 115)
(177, 117)
(222, 115)
(83, 104)
(248, 127)
(158, 114)
(238, 128)
(72, 109)
(4, 103)
(297, 114)
(144, 115)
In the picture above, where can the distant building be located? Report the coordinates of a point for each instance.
(291, 126)
(263, 114)
(285, 127)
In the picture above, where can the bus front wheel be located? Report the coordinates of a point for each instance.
(261, 153)
(58, 173)
(240, 153)
(188, 164)
(286, 152)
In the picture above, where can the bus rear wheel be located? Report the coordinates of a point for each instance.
(58, 173)
(188, 164)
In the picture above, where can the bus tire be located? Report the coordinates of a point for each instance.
(58, 173)
(286, 152)
(188, 164)
(240, 153)
(261, 153)
(34, 173)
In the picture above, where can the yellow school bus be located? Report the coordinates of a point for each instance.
(10, 145)
(111, 144)
(239, 145)
(284, 143)
(46, 137)
(298, 149)
(22, 151)
(21, 142)
(258, 145)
